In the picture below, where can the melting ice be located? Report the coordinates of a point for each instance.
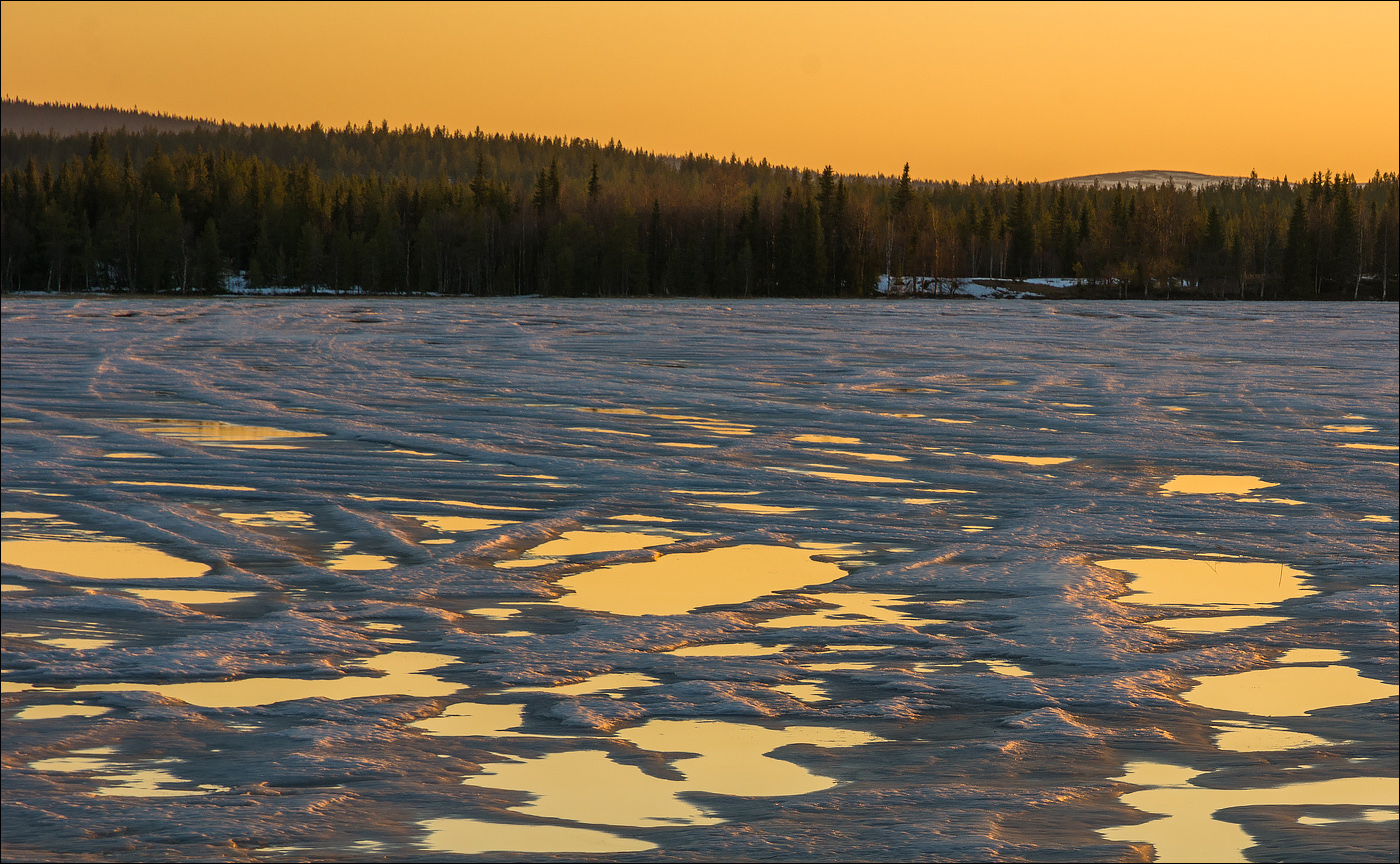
(529, 577)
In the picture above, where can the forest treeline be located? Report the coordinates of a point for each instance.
(419, 210)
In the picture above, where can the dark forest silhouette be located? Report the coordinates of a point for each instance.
(420, 210)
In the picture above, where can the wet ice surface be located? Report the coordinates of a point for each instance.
(940, 580)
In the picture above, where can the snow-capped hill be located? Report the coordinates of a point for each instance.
(1149, 178)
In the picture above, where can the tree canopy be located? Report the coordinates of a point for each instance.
(417, 210)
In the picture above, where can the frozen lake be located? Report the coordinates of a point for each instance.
(417, 579)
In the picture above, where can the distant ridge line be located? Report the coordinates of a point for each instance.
(25, 117)
(22, 116)
(1150, 177)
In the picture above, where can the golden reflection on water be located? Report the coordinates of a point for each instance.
(269, 518)
(121, 780)
(1216, 584)
(1215, 484)
(1255, 738)
(1215, 625)
(826, 439)
(446, 501)
(1190, 833)
(188, 597)
(733, 756)
(213, 486)
(607, 431)
(711, 492)
(640, 517)
(218, 433)
(610, 683)
(584, 543)
(741, 507)
(355, 562)
(874, 457)
(804, 691)
(1032, 460)
(846, 666)
(678, 583)
(403, 677)
(475, 837)
(1377, 815)
(1003, 667)
(843, 475)
(589, 542)
(853, 608)
(1312, 655)
(1290, 691)
(467, 719)
(457, 523)
(77, 644)
(53, 712)
(495, 613)
(1370, 446)
(98, 559)
(996, 667)
(587, 786)
(730, 649)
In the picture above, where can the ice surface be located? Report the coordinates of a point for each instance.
(803, 562)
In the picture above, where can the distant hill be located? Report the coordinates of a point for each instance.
(20, 116)
(1149, 178)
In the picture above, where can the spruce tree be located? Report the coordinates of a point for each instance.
(904, 192)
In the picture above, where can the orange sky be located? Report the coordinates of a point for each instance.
(1039, 90)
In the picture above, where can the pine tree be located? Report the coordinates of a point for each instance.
(1022, 232)
(480, 186)
(904, 192)
(209, 260)
(1297, 254)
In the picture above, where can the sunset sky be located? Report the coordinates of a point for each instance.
(1037, 90)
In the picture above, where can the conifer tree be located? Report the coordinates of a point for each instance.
(903, 192)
